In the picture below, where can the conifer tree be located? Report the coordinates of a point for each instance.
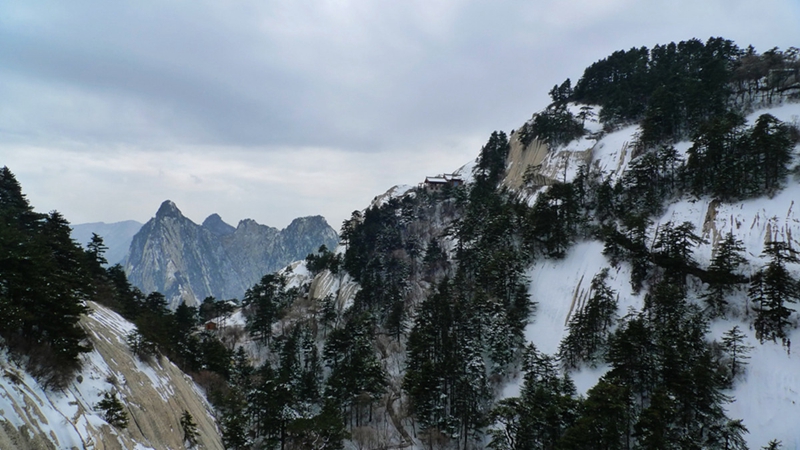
(113, 411)
(771, 288)
(737, 350)
(263, 304)
(722, 274)
(590, 326)
(190, 434)
(673, 249)
(96, 249)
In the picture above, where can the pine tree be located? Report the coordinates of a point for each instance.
(113, 411)
(45, 278)
(604, 420)
(673, 249)
(190, 434)
(548, 402)
(771, 140)
(589, 327)
(263, 304)
(737, 350)
(771, 288)
(722, 274)
(96, 249)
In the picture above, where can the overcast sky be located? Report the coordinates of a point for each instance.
(272, 110)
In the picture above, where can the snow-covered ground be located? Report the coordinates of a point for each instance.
(767, 397)
(154, 395)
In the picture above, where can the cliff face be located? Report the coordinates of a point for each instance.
(153, 395)
(188, 262)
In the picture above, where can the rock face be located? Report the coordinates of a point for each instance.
(154, 396)
(116, 236)
(188, 262)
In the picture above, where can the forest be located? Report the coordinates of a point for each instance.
(437, 325)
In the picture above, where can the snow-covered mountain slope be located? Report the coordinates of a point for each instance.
(767, 397)
(154, 396)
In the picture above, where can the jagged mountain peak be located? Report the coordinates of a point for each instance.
(216, 225)
(188, 262)
(168, 209)
(302, 222)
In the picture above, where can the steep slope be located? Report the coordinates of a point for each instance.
(116, 236)
(154, 397)
(188, 262)
(767, 394)
(763, 397)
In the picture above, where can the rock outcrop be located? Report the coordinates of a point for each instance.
(153, 395)
(188, 262)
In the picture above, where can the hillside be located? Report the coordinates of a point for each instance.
(619, 272)
(767, 394)
(471, 313)
(154, 397)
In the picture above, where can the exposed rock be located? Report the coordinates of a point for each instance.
(216, 225)
(154, 397)
(188, 262)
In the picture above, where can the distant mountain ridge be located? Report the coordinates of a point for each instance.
(116, 236)
(188, 262)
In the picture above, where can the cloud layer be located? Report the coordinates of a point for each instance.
(273, 109)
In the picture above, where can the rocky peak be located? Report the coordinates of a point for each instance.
(248, 225)
(168, 209)
(216, 225)
(188, 262)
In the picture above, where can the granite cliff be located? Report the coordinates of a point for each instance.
(188, 262)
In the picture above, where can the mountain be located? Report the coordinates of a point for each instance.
(154, 396)
(116, 236)
(618, 272)
(186, 261)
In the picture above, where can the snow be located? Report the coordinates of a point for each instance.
(398, 191)
(559, 287)
(789, 112)
(591, 124)
(69, 419)
(465, 171)
(767, 396)
(613, 152)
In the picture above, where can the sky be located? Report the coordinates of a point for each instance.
(273, 110)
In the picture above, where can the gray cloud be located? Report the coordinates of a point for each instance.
(416, 80)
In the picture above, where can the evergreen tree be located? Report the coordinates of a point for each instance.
(45, 277)
(604, 420)
(357, 378)
(771, 288)
(491, 165)
(771, 141)
(673, 250)
(737, 350)
(547, 403)
(190, 435)
(263, 304)
(589, 327)
(555, 220)
(113, 411)
(722, 274)
(96, 249)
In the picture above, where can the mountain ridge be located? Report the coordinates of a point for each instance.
(188, 262)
